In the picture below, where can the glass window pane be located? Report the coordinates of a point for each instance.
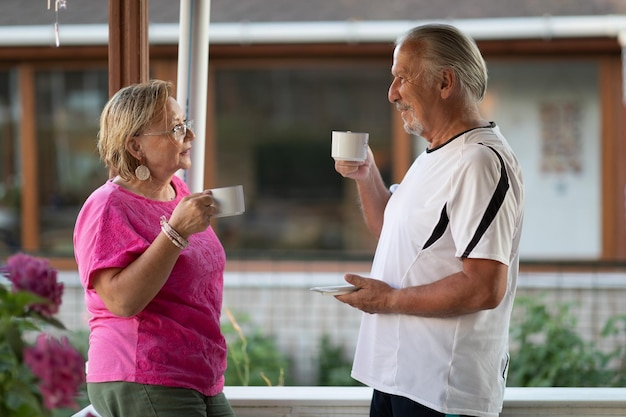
(69, 169)
(273, 136)
(9, 166)
(550, 113)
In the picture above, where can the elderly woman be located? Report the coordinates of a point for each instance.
(152, 268)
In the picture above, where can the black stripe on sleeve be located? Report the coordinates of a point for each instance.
(494, 205)
(441, 226)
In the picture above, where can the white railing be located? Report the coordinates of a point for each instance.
(354, 402)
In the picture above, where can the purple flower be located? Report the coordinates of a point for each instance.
(28, 273)
(59, 368)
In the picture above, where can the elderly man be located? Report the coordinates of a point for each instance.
(443, 279)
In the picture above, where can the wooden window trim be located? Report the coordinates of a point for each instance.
(28, 160)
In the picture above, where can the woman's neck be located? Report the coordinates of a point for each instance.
(149, 189)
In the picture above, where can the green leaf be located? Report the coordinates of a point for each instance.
(49, 320)
(14, 340)
(21, 399)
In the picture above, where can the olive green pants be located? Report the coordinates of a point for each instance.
(128, 399)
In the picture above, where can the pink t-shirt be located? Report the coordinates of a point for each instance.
(176, 340)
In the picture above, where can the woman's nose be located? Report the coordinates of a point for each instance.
(190, 134)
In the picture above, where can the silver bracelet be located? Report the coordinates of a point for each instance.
(175, 237)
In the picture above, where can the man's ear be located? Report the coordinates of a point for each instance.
(447, 82)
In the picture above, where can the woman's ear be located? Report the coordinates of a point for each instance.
(134, 147)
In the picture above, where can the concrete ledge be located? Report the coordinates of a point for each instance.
(573, 397)
(354, 402)
(307, 396)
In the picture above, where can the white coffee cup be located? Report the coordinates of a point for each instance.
(228, 201)
(349, 146)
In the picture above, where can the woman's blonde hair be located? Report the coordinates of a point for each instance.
(126, 114)
(441, 46)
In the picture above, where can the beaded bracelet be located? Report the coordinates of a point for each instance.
(179, 241)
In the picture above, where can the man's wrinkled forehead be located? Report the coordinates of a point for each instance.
(406, 57)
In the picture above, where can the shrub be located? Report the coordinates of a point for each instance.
(253, 360)
(333, 365)
(548, 352)
(39, 373)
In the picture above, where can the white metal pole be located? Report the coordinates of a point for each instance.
(191, 85)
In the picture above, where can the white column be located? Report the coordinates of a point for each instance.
(191, 86)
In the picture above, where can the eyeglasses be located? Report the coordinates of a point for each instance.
(179, 131)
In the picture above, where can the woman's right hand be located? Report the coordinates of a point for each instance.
(193, 213)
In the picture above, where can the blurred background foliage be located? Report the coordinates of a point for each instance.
(546, 351)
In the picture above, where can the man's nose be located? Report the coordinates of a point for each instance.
(392, 94)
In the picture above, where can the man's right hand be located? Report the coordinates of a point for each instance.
(357, 171)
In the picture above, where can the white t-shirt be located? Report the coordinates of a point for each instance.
(463, 199)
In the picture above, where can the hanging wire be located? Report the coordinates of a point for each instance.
(58, 4)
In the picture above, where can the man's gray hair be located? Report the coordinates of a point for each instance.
(440, 46)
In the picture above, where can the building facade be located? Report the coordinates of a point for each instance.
(280, 80)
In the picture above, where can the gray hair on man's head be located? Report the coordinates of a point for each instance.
(442, 46)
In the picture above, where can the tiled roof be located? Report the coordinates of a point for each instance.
(35, 12)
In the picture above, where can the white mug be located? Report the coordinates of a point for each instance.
(228, 201)
(349, 146)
